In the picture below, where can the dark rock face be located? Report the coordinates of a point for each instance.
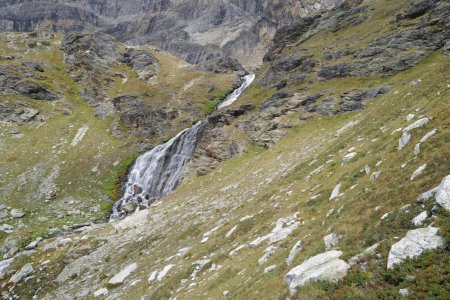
(144, 64)
(192, 29)
(31, 90)
(335, 71)
(420, 29)
(19, 112)
(141, 118)
(216, 145)
(417, 9)
(221, 65)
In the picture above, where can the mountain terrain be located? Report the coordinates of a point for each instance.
(328, 178)
(194, 30)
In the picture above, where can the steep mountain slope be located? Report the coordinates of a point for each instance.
(330, 168)
(74, 113)
(194, 30)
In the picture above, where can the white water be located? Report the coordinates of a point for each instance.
(158, 171)
(248, 79)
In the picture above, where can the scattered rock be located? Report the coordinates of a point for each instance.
(418, 172)
(349, 156)
(294, 251)
(101, 292)
(375, 176)
(123, 274)
(443, 193)
(427, 195)
(164, 272)
(17, 213)
(331, 241)
(369, 251)
(404, 292)
(22, 274)
(417, 124)
(413, 244)
(268, 252)
(230, 232)
(270, 269)
(283, 228)
(323, 267)
(419, 219)
(404, 140)
(237, 250)
(427, 136)
(336, 191)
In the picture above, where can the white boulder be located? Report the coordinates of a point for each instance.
(331, 241)
(323, 267)
(420, 218)
(336, 191)
(413, 244)
(294, 251)
(443, 193)
(404, 140)
(416, 124)
(22, 273)
(418, 172)
(349, 156)
(120, 277)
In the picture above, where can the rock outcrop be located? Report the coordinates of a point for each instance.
(413, 244)
(194, 30)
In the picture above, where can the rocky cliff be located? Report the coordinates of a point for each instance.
(194, 30)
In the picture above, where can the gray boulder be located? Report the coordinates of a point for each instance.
(323, 267)
(23, 273)
(443, 193)
(413, 244)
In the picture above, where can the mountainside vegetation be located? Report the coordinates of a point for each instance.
(327, 179)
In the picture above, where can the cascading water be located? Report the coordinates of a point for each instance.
(157, 172)
(247, 80)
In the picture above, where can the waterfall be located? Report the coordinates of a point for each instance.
(247, 80)
(157, 172)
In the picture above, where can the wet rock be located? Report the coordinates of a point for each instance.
(323, 267)
(22, 274)
(413, 244)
